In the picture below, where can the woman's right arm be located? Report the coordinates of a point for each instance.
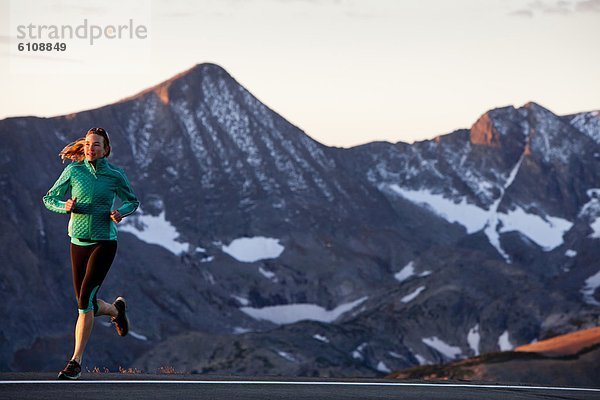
(53, 199)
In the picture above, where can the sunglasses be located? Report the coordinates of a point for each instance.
(98, 131)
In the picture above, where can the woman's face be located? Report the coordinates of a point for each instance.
(94, 147)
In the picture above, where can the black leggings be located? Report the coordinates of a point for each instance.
(90, 266)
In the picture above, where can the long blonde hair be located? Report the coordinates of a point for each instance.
(75, 151)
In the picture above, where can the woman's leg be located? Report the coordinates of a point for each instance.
(79, 259)
(105, 308)
(83, 330)
(98, 264)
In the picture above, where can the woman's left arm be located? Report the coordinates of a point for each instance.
(53, 199)
(125, 193)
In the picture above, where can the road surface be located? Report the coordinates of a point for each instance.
(44, 386)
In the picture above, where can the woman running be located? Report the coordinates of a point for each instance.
(93, 183)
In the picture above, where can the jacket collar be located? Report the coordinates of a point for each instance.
(100, 164)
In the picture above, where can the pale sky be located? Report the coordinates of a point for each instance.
(346, 72)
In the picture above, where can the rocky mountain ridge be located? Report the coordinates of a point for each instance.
(396, 254)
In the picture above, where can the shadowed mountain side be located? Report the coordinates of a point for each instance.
(296, 350)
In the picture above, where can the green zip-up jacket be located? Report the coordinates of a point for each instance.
(96, 190)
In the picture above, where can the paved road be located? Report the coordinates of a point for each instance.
(131, 387)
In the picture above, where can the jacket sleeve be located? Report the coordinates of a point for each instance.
(53, 199)
(125, 193)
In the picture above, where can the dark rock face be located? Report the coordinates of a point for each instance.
(474, 241)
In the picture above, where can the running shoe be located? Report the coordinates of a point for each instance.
(121, 321)
(71, 371)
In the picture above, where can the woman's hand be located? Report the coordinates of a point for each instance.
(116, 216)
(70, 206)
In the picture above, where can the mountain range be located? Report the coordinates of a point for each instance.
(259, 251)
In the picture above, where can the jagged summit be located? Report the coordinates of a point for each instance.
(533, 106)
(491, 126)
(510, 126)
(208, 88)
(196, 72)
(497, 127)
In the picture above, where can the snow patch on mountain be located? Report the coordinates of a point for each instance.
(406, 272)
(593, 193)
(491, 227)
(381, 367)
(284, 164)
(422, 360)
(504, 342)
(292, 313)
(413, 295)
(474, 338)
(591, 284)
(242, 300)
(591, 211)
(358, 352)
(287, 356)
(138, 336)
(468, 215)
(154, 230)
(546, 232)
(267, 274)
(296, 158)
(139, 130)
(480, 186)
(238, 330)
(409, 271)
(192, 131)
(595, 225)
(442, 347)
(320, 338)
(588, 123)
(253, 249)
